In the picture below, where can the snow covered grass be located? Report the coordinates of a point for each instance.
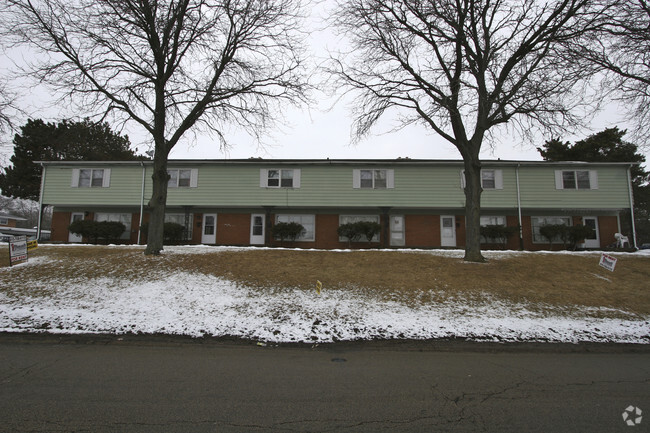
(270, 294)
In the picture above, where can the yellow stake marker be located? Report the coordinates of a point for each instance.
(319, 286)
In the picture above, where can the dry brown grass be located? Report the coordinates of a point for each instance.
(545, 279)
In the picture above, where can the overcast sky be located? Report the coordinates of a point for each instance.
(317, 132)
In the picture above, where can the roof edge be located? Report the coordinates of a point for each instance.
(400, 161)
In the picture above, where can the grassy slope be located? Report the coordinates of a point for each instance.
(546, 280)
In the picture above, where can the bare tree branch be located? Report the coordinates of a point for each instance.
(169, 65)
(462, 68)
(620, 48)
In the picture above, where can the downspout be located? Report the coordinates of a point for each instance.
(141, 201)
(521, 228)
(40, 205)
(629, 189)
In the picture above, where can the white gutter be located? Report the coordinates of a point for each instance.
(141, 202)
(629, 189)
(40, 205)
(521, 229)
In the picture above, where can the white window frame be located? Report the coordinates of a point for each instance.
(105, 177)
(560, 180)
(345, 219)
(498, 179)
(179, 218)
(389, 178)
(487, 220)
(295, 177)
(122, 217)
(534, 228)
(4, 221)
(304, 220)
(175, 179)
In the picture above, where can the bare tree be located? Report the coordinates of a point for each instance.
(168, 65)
(8, 107)
(461, 67)
(620, 47)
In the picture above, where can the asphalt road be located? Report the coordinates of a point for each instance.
(102, 384)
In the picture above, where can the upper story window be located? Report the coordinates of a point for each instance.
(490, 179)
(91, 177)
(280, 178)
(182, 178)
(576, 179)
(4, 221)
(373, 179)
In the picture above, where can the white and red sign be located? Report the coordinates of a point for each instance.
(17, 250)
(608, 262)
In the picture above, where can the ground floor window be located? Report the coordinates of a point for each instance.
(180, 218)
(348, 219)
(538, 222)
(493, 221)
(124, 218)
(307, 221)
(492, 237)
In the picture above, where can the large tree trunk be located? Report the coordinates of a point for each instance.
(157, 204)
(473, 191)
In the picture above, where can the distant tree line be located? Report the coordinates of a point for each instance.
(66, 140)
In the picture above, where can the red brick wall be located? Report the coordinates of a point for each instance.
(326, 235)
(513, 241)
(422, 230)
(232, 229)
(461, 231)
(135, 226)
(607, 227)
(197, 228)
(60, 223)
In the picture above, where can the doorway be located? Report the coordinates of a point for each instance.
(592, 241)
(447, 230)
(209, 233)
(397, 230)
(257, 229)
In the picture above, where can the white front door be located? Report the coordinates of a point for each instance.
(592, 241)
(257, 229)
(209, 234)
(397, 238)
(76, 216)
(448, 230)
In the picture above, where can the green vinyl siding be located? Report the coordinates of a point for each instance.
(538, 189)
(323, 185)
(502, 198)
(124, 189)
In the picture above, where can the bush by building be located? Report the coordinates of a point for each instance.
(287, 231)
(95, 230)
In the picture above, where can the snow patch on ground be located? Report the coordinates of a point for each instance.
(202, 305)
